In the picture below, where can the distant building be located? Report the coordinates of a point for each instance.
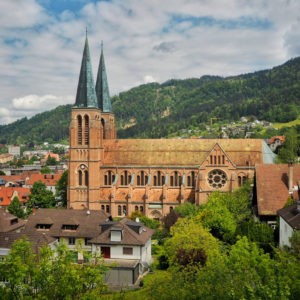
(5, 158)
(50, 180)
(7, 194)
(275, 142)
(14, 150)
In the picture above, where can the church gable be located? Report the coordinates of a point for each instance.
(217, 157)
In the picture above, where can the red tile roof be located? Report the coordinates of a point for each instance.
(164, 152)
(272, 187)
(8, 193)
(274, 138)
(47, 179)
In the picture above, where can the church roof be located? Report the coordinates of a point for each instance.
(86, 95)
(179, 152)
(102, 90)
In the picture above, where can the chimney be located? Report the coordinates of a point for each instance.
(290, 177)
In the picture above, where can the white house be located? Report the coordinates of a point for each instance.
(126, 247)
(289, 222)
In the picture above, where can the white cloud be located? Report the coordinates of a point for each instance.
(40, 52)
(39, 103)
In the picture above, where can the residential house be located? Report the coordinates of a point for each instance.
(49, 180)
(126, 245)
(275, 142)
(51, 155)
(274, 185)
(15, 150)
(7, 194)
(10, 230)
(289, 222)
(6, 157)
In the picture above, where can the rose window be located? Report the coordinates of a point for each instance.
(217, 179)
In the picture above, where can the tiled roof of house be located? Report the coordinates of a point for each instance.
(47, 179)
(186, 152)
(272, 187)
(8, 193)
(291, 215)
(52, 155)
(8, 222)
(37, 239)
(85, 223)
(274, 138)
(129, 235)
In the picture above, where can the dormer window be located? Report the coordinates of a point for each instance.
(43, 226)
(116, 234)
(70, 227)
(14, 221)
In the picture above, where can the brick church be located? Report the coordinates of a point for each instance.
(152, 176)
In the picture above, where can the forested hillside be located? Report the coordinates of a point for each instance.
(50, 126)
(157, 110)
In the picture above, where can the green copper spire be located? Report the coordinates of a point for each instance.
(102, 91)
(86, 95)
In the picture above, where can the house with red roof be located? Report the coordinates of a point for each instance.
(7, 194)
(52, 155)
(276, 141)
(274, 185)
(49, 180)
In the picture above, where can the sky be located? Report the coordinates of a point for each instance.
(144, 41)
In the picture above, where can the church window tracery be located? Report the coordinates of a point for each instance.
(125, 178)
(175, 179)
(217, 178)
(141, 178)
(109, 178)
(158, 179)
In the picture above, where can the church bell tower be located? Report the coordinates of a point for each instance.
(92, 121)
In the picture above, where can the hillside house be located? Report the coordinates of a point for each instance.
(289, 222)
(274, 185)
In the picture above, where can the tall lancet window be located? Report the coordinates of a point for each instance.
(86, 130)
(103, 128)
(79, 126)
(79, 177)
(86, 178)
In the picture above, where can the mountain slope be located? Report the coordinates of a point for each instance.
(156, 110)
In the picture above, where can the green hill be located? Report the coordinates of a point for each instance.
(158, 110)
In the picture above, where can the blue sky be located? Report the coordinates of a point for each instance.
(144, 41)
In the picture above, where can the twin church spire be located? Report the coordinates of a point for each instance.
(89, 95)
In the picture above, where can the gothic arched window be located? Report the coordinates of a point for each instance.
(79, 130)
(86, 130)
(158, 178)
(141, 178)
